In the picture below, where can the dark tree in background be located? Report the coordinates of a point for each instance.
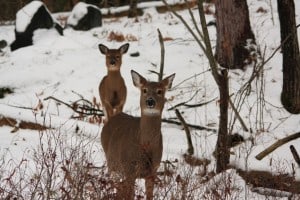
(9, 8)
(233, 31)
(290, 96)
(133, 11)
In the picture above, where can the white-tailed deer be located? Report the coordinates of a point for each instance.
(133, 145)
(112, 88)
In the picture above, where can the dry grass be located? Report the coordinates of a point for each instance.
(64, 167)
(120, 37)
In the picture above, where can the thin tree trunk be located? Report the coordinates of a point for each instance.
(233, 33)
(222, 147)
(290, 96)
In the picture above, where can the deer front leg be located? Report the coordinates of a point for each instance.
(149, 184)
(108, 111)
(125, 189)
(119, 107)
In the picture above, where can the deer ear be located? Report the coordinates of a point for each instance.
(103, 49)
(167, 82)
(138, 80)
(124, 48)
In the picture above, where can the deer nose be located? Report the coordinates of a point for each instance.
(150, 102)
(112, 62)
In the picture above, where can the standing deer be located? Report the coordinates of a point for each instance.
(112, 88)
(133, 145)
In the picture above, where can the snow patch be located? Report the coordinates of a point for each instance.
(24, 16)
(79, 10)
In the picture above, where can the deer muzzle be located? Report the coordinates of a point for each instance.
(150, 102)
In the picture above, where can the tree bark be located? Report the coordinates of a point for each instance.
(290, 96)
(233, 34)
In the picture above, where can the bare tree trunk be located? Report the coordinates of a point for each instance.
(222, 147)
(233, 33)
(222, 153)
(133, 12)
(290, 96)
(10, 8)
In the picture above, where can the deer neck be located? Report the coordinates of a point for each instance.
(114, 74)
(150, 129)
(114, 77)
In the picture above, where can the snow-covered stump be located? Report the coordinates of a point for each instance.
(31, 17)
(85, 17)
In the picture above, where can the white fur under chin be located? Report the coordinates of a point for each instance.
(113, 68)
(151, 111)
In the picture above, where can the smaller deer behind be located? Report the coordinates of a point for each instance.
(112, 88)
(133, 145)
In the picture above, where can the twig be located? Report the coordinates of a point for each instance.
(191, 105)
(194, 21)
(187, 131)
(189, 125)
(85, 110)
(194, 76)
(237, 114)
(154, 72)
(22, 107)
(277, 144)
(264, 62)
(187, 26)
(295, 154)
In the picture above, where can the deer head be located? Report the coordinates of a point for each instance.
(152, 97)
(113, 56)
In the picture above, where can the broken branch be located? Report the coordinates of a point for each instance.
(83, 109)
(277, 144)
(162, 55)
(187, 131)
(295, 154)
(189, 125)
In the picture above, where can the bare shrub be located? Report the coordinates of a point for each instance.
(60, 167)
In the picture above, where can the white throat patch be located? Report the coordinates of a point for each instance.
(151, 111)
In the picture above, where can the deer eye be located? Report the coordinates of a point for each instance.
(145, 90)
(159, 91)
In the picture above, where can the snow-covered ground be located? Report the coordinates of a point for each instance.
(61, 66)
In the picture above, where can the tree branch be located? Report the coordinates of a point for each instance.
(187, 26)
(189, 125)
(277, 144)
(237, 114)
(191, 105)
(295, 154)
(187, 131)
(80, 109)
(162, 55)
